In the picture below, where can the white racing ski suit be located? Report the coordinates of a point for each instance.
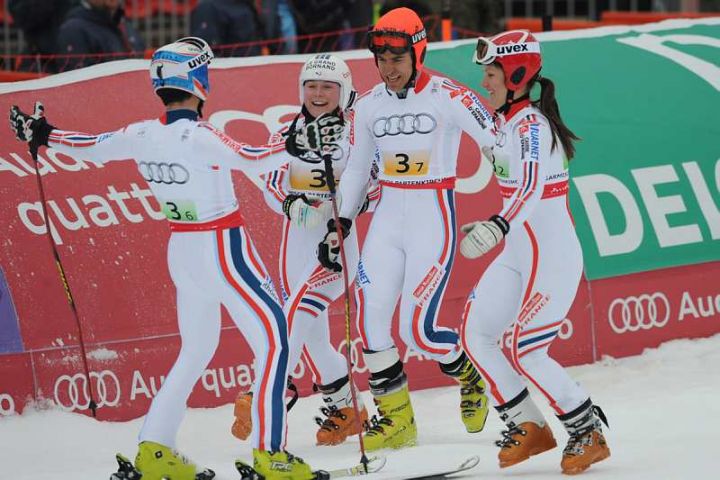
(211, 258)
(531, 285)
(410, 246)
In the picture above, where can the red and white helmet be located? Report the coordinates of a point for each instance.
(329, 68)
(400, 30)
(517, 52)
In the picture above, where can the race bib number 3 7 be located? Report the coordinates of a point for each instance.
(412, 163)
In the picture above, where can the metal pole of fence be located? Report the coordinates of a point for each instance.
(446, 21)
(528, 8)
(6, 30)
(508, 10)
(547, 23)
(592, 11)
(571, 8)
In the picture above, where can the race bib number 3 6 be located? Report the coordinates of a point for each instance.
(411, 163)
(180, 210)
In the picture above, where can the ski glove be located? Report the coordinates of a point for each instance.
(32, 129)
(481, 237)
(296, 144)
(329, 248)
(323, 134)
(304, 214)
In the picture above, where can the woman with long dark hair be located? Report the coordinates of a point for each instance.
(531, 285)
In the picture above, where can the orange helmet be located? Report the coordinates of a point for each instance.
(400, 30)
(517, 52)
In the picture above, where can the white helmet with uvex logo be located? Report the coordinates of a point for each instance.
(329, 68)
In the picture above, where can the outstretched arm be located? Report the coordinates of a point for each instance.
(36, 131)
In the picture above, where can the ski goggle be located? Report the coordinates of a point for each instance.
(397, 43)
(486, 52)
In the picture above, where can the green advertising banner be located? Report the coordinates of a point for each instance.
(645, 184)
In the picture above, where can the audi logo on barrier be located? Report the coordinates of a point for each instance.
(405, 124)
(643, 312)
(167, 173)
(71, 391)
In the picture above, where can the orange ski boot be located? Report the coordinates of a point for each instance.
(242, 426)
(586, 444)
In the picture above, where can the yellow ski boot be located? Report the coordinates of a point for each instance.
(396, 426)
(158, 462)
(280, 466)
(473, 401)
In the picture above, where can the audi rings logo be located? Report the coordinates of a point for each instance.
(167, 173)
(643, 312)
(405, 124)
(71, 391)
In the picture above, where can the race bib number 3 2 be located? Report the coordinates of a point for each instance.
(412, 163)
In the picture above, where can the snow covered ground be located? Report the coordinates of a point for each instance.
(663, 408)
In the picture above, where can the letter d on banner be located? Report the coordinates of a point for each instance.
(589, 186)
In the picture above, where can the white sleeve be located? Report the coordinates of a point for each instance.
(101, 148)
(533, 142)
(226, 152)
(354, 183)
(471, 114)
(276, 187)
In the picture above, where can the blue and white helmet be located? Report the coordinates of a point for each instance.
(182, 65)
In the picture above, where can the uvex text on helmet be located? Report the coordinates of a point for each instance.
(400, 29)
(182, 65)
(516, 51)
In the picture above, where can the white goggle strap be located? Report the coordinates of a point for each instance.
(175, 69)
(490, 52)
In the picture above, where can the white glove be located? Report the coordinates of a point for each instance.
(305, 215)
(482, 236)
(323, 134)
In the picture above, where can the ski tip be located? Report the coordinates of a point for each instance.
(376, 462)
(470, 462)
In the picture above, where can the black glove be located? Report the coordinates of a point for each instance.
(32, 129)
(365, 205)
(296, 144)
(329, 248)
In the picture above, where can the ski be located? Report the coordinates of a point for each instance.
(247, 472)
(127, 471)
(469, 463)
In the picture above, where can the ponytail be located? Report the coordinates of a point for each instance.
(549, 107)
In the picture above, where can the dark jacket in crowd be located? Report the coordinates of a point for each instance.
(39, 21)
(226, 22)
(316, 16)
(89, 31)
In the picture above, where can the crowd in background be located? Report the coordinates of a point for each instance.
(77, 33)
(83, 32)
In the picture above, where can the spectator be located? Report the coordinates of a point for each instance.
(94, 28)
(226, 22)
(320, 16)
(419, 6)
(39, 21)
